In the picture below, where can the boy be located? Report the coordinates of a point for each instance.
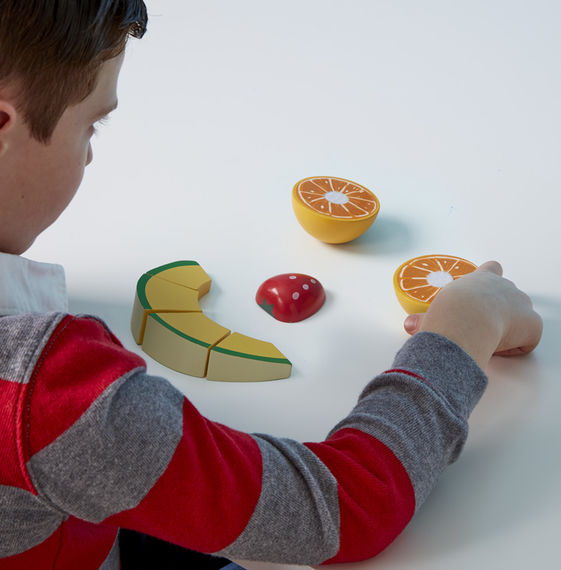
(90, 443)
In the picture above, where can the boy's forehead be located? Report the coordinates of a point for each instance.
(103, 111)
(103, 98)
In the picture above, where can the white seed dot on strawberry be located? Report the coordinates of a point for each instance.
(295, 296)
(305, 287)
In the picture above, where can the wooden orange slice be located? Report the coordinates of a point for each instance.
(418, 281)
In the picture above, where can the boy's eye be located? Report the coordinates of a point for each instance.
(98, 124)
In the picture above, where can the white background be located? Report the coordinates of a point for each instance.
(448, 111)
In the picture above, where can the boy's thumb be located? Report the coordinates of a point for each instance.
(413, 323)
(492, 266)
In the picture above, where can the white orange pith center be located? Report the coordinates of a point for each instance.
(439, 278)
(336, 197)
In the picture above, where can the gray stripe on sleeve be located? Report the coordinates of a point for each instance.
(423, 421)
(296, 519)
(449, 369)
(23, 340)
(24, 521)
(113, 560)
(112, 456)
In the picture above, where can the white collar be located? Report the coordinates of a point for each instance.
(31, 287)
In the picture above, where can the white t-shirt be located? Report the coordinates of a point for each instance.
(30, 286)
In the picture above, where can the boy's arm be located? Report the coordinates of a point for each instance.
(139, 455)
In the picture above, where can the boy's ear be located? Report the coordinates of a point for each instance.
(7, 120)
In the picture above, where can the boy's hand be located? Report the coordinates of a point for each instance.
(483, 313)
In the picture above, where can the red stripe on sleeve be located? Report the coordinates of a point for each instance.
(84, 545)
(12, 473)
(206, 496)
(408, 372)
(78, 363)
(376, 498)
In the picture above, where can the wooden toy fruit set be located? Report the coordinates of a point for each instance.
(169, 323)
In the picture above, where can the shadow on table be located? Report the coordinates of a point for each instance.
(387, 236)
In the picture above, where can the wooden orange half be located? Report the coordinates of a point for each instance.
(334, 210)
(418, 281)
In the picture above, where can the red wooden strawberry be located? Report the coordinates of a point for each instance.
(291, 297)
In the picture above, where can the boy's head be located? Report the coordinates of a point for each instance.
(59, 65)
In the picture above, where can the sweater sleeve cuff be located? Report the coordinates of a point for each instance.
(446, 367)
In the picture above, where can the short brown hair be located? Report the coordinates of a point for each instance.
(51, 51)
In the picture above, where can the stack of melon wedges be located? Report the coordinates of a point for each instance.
(169, 323)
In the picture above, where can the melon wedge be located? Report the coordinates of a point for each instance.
(240, 358)
(156, 295)
(186, 273)
(181, 341)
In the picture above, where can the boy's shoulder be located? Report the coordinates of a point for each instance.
(22, 340)
(34, 345)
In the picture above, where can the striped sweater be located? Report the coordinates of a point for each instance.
(90, 443)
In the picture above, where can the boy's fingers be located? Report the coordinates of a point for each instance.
(514, 351)
(413, 323)
(493, 266)
(527, 337)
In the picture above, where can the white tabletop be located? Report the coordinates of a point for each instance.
(449, 112)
